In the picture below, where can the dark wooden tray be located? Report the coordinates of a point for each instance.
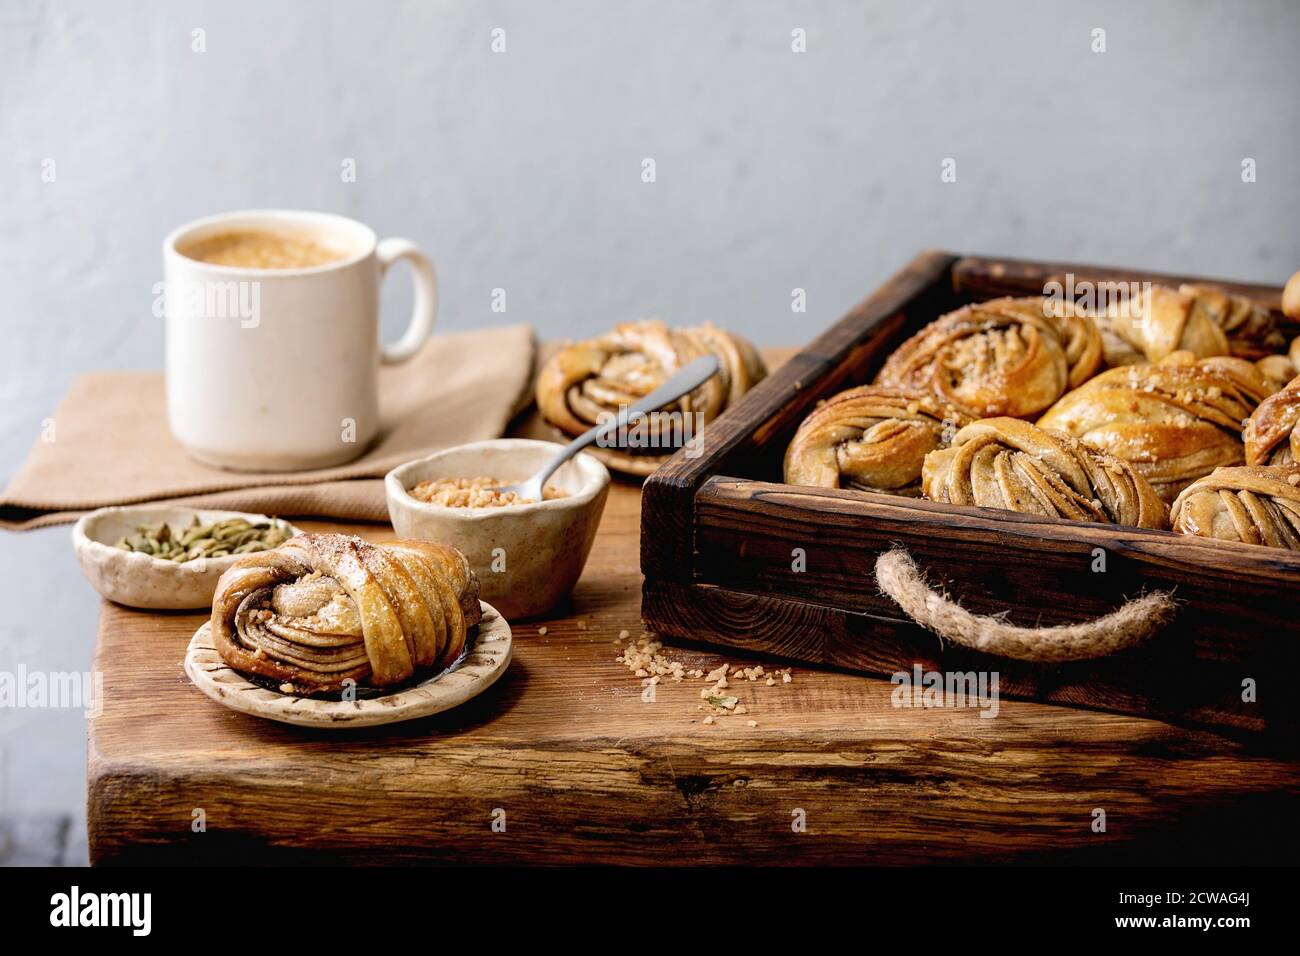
(718, 532)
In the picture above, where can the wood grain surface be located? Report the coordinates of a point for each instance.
(583, 770)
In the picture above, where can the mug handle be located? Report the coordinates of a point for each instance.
(387, 252)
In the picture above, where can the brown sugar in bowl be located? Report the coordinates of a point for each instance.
(527, 555)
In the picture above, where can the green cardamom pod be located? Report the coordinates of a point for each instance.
(195, 533)
(197, 539)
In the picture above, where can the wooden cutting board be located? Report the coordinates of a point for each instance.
(563, 761)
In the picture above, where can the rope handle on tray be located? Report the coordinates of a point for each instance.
(1129, 625)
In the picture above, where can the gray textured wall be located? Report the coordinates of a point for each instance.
(522, 170)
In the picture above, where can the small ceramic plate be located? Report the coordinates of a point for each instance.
(140, 580)
(485, 659)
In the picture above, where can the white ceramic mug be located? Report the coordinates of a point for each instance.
(277, 369)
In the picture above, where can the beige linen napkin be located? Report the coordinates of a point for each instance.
(111, 444)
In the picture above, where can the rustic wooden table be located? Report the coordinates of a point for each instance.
(565, 752)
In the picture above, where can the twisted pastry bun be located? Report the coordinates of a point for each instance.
(873, 438)
(1202, 319)
(1010, 464)
(1174, 421)
(586, 381)
(323, 609)
(1116, 350)
(1160, 321)
(1291, 298)
(1281, 368)
(1254, 505)
(1270, 435)
(1004, 357)
(1278, 369)
(1251, 329)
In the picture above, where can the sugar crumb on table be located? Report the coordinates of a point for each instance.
(646, 659)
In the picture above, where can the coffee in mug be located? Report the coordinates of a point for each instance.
(273, 348)
(264, 249)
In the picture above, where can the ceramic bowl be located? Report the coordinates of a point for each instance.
(527, 557)
(141, 580)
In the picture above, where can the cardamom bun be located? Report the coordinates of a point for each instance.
(587, 383)
(1010, 464)
(1010, 356)
(325, 609)
(873, 438)
(1175, 420)
(1256, 505)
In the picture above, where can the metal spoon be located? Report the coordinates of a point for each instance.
(687, 379)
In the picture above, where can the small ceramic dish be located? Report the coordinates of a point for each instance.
(485, 659)
(527, 557)
(141, 580)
